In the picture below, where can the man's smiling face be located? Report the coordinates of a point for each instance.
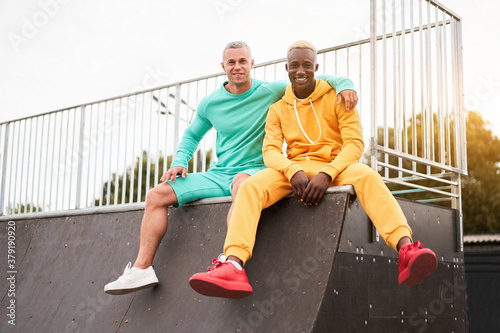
(301, 65)
(237, 64)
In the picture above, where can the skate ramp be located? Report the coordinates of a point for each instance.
(314, 269)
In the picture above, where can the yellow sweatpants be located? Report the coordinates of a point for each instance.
(268, 186)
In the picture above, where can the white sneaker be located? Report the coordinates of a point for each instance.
(133, 279)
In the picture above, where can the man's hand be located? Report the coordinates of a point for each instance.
(316, 189)
(299, 183)
(174, 172)
(350, 97)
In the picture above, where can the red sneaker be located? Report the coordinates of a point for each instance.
(222, 280)
(415, 263)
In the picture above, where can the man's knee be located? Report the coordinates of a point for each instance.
(161, 195)
(237, 180)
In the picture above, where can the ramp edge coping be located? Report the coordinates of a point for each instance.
(349, 189)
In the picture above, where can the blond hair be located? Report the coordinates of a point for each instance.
(302, 44)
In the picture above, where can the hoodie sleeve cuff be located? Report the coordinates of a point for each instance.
(330, 171)
(292, 170)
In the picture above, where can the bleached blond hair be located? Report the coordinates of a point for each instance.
(302, 44)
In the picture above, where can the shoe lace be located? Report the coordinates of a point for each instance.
(418, 245)
(217, 262)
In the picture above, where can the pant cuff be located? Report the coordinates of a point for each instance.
(238, 253)
(396, 235)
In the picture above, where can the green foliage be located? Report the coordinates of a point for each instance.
(132, 180)
(22, 209)
(481, 188)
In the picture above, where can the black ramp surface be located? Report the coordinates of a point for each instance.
(63, 264)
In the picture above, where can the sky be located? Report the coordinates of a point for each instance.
(56, 54)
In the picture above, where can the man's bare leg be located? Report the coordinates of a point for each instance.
(154, 223)
(153, 228)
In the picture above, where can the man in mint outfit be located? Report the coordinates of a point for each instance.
(237, 111)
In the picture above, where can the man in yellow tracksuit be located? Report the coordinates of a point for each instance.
(324, 144)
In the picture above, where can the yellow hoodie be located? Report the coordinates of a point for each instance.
(329, 132)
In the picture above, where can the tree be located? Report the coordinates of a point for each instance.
(481, 188)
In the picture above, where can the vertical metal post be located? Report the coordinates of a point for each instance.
(66, 161)
(158, 136)
(72, 158)
(461, 107)
(177, 110)
(462, 135)
(403, 81)
(445, 88)
(373, 66)
(117, 178)
(44, 188)
(110, 156)
(439, 73)
(149, 159)
(422, 90)
(87, 188)
(335, 67)
(21, 165)
(395, 95)
(165, 162)
(27, 164)
(428, 70)
(132, 169)
(414, 149)
(59, 159)
(101, 183)
(360, 73)
(40, 165)
(139, 172)
(200, 161)
(34, 168)
(4, 167)
(125, 150)
(80, 157)
(347, 61)
(373, 81)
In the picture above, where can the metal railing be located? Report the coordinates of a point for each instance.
(112, 152)
(418, 127)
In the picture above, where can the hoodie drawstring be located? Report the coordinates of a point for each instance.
(300, 125)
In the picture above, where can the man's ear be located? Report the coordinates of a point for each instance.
(222, 64)
(286, 67)
(316, 67)
(252, 64)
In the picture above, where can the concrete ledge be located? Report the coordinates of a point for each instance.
(136, 206)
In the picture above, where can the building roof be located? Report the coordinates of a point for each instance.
(484, 238)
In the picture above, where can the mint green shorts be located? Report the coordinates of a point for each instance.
(216, 182)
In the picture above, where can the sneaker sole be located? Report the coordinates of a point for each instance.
(212, 289)
(418, 269)
(130, 290)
